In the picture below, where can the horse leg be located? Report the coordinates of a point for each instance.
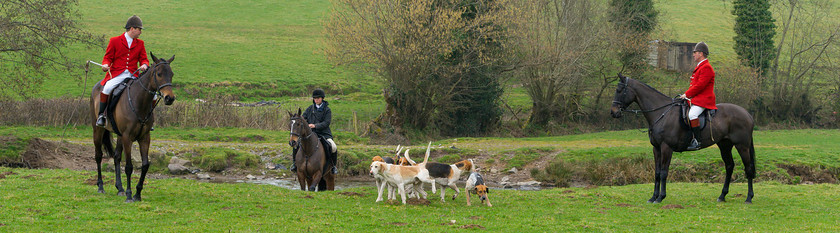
(747, 153)
(315, 180)
(726, 154)
(331, 182)
(322, 185)
(663, 173)
(129, 168)
(144, 155)
(301, 180)
(657, 159)
(97, 145)
(118, 152)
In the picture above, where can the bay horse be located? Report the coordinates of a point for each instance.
(310, 156)
(731, 126)
(134, 117)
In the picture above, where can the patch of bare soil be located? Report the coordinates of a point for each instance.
(351, 194)
(471, 226)
(672, 206)
(48, 154)
(417, 201)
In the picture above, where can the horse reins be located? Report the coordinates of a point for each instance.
(300, 138)
(154, 93)
(622, 108)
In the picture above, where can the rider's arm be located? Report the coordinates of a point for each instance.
(109, 54)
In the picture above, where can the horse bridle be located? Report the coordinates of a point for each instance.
(299, 137)
(154, 93)
(154, 73)
(622, 108)
(623, 95)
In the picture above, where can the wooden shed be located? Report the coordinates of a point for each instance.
(676, 56)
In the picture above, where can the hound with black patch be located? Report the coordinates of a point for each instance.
(475, 184)
(448, 174)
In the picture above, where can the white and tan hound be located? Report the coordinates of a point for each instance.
(401, 175)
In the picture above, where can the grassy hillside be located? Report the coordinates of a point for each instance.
(262, 49)
(66, 200)
(265, 49)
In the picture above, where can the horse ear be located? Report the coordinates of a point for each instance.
(621, 78)
(154, 58)
(171, 58)
(298, 112)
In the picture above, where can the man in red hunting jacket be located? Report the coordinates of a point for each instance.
(121, 58)
(701, 92)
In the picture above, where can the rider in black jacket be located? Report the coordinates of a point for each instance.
(319, 116)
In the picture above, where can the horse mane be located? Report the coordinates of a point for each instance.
(649, 87)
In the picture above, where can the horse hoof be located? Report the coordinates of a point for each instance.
(129, 200)
(136, 198)
(121, 194)
(721, 199)
(748, 202)
(100, 191)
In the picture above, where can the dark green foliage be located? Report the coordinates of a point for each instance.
(634, 20)
(754, 29)
(459, 96)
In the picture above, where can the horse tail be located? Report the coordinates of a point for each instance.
(751, 173)
(428, 149)
(107, 144)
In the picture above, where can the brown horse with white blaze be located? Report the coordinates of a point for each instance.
(310, 156)
(732, 127)
(134, 117)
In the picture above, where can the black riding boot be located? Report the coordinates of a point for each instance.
(101, 120)
(334, 160)
(293, 168)
(694, 144)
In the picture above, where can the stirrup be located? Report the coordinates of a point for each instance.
(101, 120)
(293, 168)
(334, 170)
(694, 145)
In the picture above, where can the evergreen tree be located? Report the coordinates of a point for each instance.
(754, 29)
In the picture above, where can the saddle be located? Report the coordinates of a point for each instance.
(706, 116)
(112, 104)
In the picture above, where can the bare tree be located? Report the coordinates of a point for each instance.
(562, 45)
(439, 60)
(808, 43)
(33, 38)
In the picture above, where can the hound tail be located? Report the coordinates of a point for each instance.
(428, 149)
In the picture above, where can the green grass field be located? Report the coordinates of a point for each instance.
(63, 200)
(270, 49)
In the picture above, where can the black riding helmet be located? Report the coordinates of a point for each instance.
(703, 48)
(318, 93)
(134, 22)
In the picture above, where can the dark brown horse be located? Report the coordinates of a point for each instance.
(134, 118)
(731, 126)
(310, 159)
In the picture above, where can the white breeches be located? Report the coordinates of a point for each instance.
(695, 112)
(111, 84)
(332, 144)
